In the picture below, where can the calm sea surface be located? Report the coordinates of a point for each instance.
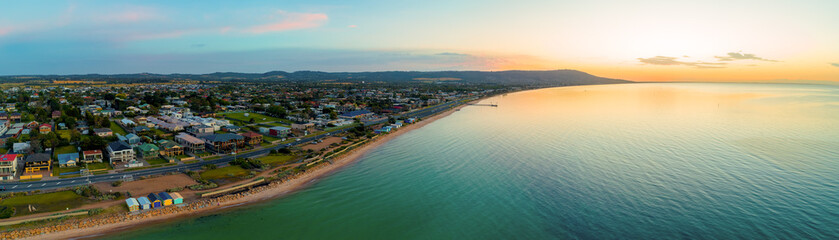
(631, 161)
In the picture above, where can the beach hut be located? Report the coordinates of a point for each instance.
(133, 205)
(155, 200)
(176, 198)
(144, 203)
(165, 198)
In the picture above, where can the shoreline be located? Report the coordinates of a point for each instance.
(271, 191)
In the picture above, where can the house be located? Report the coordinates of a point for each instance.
(133, 204)
(385, 129)
(62, 126)
(120, 152)
(170, 148)
(4, 126)
(201, 129)
(279, 131)
(165, 198)
(14, 117)
(56, 114)
(190, 143)
(37, 162)
(21, 147)
(141, 120)
(103, 132)
(176, 198)
(231, 128)
(252, 138)
(45, 128)
(302, 127)
(125, 122)
(131, 139)
(147, 151)
(145, 204)
(141, 128)
(155, 201)
(356, 114)
(224, 143)
(8, 165)
(68, 159)
(91, 156)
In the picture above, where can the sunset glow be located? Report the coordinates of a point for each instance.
(637, 40)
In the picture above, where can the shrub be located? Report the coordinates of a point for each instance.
(210, 166)
(117, 183)
(6, 212)
(175, 189)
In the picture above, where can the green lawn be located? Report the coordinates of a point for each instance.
(277, 160)
(65, 149)
(225, 172)
(48, 202)
(341, 127)
(4, 150)
(102, 165)
(157, 161)
(269, 138)
(57, 171)
(65, 134)
(257, 118)
(117, 129)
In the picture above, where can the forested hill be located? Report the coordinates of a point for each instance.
(539, 78)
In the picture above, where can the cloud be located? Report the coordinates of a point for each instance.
(673, 61)
(291, 21)
(352, 26)
(5, 30)
(732, 56)
(834, 64)
(132, 15)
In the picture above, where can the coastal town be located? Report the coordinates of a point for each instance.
(75, 150)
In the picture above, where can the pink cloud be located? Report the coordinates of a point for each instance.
(5, 30)
(352, 26)
(131, 15)
(291, 21)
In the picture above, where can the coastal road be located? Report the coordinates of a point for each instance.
(77, 181)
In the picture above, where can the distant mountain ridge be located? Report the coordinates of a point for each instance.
(513, 77)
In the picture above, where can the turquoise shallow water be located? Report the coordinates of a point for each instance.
(633, 161)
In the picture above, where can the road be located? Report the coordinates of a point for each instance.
(71, 182)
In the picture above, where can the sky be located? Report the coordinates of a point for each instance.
(725, 40)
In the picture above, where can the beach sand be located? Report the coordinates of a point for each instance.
(279, 190)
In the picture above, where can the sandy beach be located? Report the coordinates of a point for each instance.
(271, 191)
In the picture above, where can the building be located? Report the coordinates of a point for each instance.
(56, 114)
(165, 198)
(8, 165)
(145, 204)
(141, 128)
(356, 114)
(147, 151)
(45, 128)
(103, 132)
(279, 131)
(120, 152)
(133, 204)
(21, 148)
(155, 201)
(170, 148)
(68, 159)
(201, 129)
(252, 138)
(224, 143)
(131, 139)
(4, 126)
(92, 156)
(302, 127)
(231, 128)
(190, 143)
(37, 162)
(176, 198)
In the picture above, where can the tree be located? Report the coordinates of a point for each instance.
(75, 136)
(93, 142)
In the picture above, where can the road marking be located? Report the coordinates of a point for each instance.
(57, 183)
(43, 184)
(14, 186)
(29, 185)
(73, 181)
